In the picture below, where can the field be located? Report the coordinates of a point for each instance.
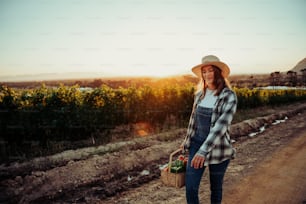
(117, 137)
(45, 120)
(128, 172)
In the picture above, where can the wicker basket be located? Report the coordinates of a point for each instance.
(173, 179)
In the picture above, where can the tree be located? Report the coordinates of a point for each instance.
(292, 78)
(96, 83)
(275, 79)
(303, 76)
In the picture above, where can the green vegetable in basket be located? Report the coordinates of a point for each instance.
(177, 166)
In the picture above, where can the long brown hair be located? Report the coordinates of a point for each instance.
(219, 81)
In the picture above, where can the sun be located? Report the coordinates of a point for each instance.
(155, 72)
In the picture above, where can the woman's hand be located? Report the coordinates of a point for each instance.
(197, 161)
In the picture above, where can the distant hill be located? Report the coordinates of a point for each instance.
(301, 65)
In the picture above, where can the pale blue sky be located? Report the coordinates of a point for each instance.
(152, 38)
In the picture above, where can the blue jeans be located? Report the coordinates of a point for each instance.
(193, 179)
(216, 171)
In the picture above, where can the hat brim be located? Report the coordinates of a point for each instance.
(225, 71)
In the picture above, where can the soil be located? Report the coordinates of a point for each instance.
(279, 179)
(269, 167)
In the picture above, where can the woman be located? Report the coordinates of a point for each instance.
(207, 139)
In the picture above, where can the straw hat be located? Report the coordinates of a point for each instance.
(211, 60)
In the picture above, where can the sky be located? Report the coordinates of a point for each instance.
(149, 37)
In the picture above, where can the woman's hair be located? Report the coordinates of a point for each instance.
(219, 81)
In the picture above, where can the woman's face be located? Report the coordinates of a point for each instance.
(208, 75)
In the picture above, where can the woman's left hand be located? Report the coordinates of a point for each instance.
(197, 161)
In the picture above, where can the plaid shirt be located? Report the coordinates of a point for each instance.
(217, 147)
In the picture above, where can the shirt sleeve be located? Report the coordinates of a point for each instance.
(221, 125)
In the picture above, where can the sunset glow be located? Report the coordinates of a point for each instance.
(146, 38)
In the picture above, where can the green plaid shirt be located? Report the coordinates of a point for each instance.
(217, 147)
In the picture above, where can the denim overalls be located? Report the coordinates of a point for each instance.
(193, 176)
(203, 118)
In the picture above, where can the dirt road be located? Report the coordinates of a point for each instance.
(280, 179)
(269, 168)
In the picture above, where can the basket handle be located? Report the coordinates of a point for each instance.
(171, 157)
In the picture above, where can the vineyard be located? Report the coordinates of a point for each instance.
(33, 120)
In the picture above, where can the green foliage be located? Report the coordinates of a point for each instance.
(70, 113)
(251, 98)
